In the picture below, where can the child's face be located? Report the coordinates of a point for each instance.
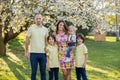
(79, 41)
(51, 41)
(70, 31)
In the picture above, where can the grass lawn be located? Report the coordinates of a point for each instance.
(103, 62)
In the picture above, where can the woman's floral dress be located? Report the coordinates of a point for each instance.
(62, 50)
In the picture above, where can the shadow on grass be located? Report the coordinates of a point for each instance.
(102, 74)
(17, 62)
(16, 68)
(15, 46)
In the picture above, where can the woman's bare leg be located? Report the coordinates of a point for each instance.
(64, 74)
(68, 74)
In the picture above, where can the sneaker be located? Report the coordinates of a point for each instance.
(67, 60)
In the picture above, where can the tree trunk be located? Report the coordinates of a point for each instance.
(2, 44)
(2, 47)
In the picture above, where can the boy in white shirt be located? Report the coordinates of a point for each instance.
(71, 42)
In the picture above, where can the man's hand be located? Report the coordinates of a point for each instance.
(27, 55)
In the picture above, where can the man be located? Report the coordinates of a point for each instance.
(37, 35)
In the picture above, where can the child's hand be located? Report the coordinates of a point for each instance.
(72, 55)
(48, 68)
(84, 65)
(68, 42)
(45, 49)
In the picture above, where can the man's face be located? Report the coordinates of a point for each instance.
(38, 19)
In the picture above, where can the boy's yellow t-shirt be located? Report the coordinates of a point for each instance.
(52, 53)
(80, 52)
(38, 37)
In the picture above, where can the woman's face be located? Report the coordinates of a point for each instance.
(61, 26)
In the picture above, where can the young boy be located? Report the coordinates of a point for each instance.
(81, 56)
(71, 42)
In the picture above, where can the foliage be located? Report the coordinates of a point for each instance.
(84, 31)
(17, 15)
(107, 11)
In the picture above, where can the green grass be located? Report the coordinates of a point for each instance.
(103, 62)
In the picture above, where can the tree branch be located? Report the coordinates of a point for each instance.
(11, 35)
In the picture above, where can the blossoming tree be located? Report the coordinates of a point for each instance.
(17, 15)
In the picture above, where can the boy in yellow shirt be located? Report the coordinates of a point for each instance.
(81, 56)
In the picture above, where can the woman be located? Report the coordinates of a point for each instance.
(61, 37)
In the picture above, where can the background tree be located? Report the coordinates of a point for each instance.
(17, 15)
(107, 10)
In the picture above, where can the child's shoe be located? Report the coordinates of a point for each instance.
(67, 60)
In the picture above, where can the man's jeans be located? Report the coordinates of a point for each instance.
(35, 59)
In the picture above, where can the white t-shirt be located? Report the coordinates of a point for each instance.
(72, 37)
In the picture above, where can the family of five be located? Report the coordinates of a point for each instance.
(55, 51)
